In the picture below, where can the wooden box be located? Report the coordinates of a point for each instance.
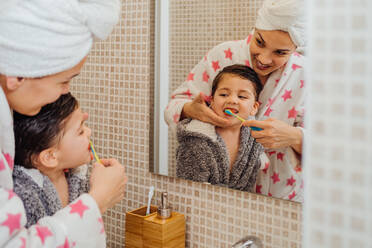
(134, 226)
(148, 231)
(164, 233)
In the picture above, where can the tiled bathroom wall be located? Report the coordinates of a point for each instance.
(116, 88)
(338, 203)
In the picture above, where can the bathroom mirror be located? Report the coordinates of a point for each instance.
(184, 32)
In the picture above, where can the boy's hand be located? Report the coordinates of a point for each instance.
(107, 183)
(198, 109)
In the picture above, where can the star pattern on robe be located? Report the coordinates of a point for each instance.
(276, 82)
(176, 118)
(270, 102)
(296, 54)
(302, 83)
(228, 54)
(23, 245)
(290, 181)
(267, 164)
(187, 93)
(215, 65)
(2, 165)
(258, 188)
(100, 220)
(65, 244)
(190, 77)
(268, 111)
(13, 222)
(275, 178)
(271, 153)
(270, 194)
(287, 95)
(280, 156)
(79, 208)
(10, 160)
(205, 77)
(295, 66)
(291, 196)
(247, 63)
(292, 113)
(249, 38)
(43, 232)
(11, 194)
(265, 170)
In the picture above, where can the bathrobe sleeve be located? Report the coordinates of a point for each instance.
(194, 159)
(77, 225)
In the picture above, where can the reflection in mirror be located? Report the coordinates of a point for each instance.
(188, 61)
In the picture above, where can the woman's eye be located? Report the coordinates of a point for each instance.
(281, 53)
(243, 97)
(259, 42)
(223, 94)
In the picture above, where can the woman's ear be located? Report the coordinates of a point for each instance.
(13, 83)
(48, 158)
(255, 107)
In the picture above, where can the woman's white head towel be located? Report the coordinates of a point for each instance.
(285, 15)
(44, 37)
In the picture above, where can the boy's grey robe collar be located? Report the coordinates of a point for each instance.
(39, 195)
(244, 172)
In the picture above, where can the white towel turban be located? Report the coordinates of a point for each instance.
(285, 15)
(44, 37)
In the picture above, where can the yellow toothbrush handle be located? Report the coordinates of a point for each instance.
(94, 153)
(240, 118)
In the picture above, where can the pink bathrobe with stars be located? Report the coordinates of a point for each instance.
(77, 225)
(282, 98)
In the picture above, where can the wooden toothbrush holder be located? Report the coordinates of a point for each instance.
(134, 226)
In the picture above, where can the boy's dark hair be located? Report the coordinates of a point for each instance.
(242, 71)
(33, 134)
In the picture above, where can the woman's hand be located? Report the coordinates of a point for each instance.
(107, 183)
(198, 109)
(276, 134)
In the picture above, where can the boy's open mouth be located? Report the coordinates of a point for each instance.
(232, 110)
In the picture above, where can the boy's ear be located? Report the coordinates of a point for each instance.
(254, 111)
(48, 158)
(13, 83)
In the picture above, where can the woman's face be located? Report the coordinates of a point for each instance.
(270, 50)
(33, 93)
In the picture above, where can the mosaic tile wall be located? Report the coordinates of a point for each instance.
(115, 87)
(338, 206)
(195, 27)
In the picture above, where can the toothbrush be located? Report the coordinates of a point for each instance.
(151, 193)
(94, 152)
(229, 112)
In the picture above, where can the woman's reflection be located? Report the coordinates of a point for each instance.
(273, 51)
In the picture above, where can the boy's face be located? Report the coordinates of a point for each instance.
(73, 148)
(236, 94)
(28, 95)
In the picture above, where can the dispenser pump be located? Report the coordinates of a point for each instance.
(164, 211)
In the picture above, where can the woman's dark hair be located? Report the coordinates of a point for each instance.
(242, 71)
(34, 134)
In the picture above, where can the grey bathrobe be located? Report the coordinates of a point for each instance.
(40, 197)
(202, 156)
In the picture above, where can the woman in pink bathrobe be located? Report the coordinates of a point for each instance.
(273, 50)
(43, 45)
